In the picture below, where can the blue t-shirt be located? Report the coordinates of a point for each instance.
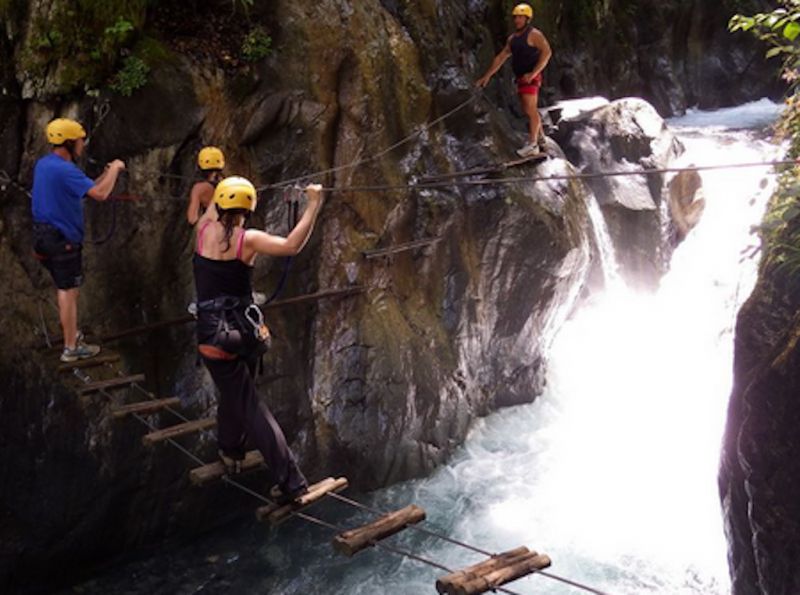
(58, 190)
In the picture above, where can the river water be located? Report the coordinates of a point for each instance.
(612, 472)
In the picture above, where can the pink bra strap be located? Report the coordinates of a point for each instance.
(240, 245)
(200, 237)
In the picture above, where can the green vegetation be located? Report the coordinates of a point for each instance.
(132, 76)
(85, 41)
(257, 45)
(780, 29)
(79, 46)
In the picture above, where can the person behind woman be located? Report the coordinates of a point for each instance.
(230, 331)
(211, 161)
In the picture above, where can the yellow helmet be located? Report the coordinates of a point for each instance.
(211, 158)
(61, 130)
(235, 193)
(523, 10)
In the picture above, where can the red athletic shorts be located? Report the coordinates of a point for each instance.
(531, 88)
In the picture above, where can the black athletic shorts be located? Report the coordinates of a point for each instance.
(62, 258)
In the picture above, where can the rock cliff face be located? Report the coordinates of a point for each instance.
(761, 449)
(379, 387)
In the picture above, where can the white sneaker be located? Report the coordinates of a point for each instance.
(81, 351)
(529, 150)
(259, 299)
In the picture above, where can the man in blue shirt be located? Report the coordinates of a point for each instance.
(59, 187)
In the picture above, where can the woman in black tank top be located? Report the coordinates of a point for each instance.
(227, 326)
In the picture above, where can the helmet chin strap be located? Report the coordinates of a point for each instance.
(69, 145)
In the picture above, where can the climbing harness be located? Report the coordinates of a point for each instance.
(233, 325)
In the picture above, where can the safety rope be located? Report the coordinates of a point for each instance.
(553, 178)
(103, 111)
(99, 241)
(6, 180)
(375, 511)
(371, 159)
(436, 184)
(292, 199)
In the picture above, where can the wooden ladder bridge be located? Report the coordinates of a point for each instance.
(103, 376)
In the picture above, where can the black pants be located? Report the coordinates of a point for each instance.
(241, 416)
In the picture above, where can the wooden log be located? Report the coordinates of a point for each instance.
(176, 431)
(213, 471)
(112, 384)
(144, 407)
(355, 540)
(501, 576)
(276, 514)
(446, 583)
(100, 360)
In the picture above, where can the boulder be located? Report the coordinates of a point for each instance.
(626, 135)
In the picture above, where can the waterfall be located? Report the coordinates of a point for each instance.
(613, 471)
(602, 237)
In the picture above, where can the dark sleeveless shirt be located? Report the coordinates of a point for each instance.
(219, 278)
(524, 57)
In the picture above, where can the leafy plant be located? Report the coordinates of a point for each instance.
(780, 231)
(84, 41)
(131, 77)
(257, 45)
(120, 29)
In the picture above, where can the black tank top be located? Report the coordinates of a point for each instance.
(218, 278)
(524, 57)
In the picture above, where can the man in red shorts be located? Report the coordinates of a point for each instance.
(529, 52)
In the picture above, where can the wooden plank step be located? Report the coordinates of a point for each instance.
(213, 471)
(492, 573)
(276, 514)
(445, 583)
(353, 541)
(100, 360)
(189, 427)
(112, 384)
(514, 570)
(144, 407)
